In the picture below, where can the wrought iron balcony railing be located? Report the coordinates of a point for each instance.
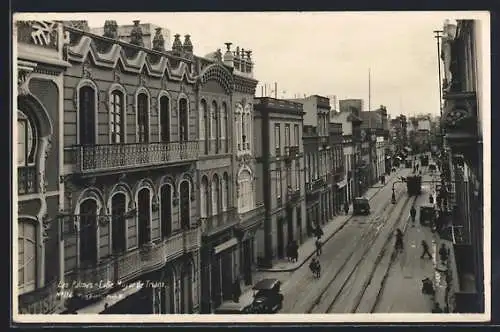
(291, 152)
(257, 211)
(108, 157)
(122, 268)
(210, 224)
(293, 196)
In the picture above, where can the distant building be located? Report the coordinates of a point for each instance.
(354, 106)
(280, 180)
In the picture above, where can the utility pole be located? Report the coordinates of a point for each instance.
(438, 35)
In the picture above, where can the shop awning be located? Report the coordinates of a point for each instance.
(226, 245)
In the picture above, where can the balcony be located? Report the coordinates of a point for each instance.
(252, 217)
(100, 279)
(213, 224)
(293, 196)
(459, 121)
(317, 184)
(40, 301)
(26, 180)
(115, 157)
(291, 152)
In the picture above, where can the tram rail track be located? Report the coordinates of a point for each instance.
(370, 234)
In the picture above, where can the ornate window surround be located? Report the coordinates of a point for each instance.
(181, 96)
(144, 90)
(164, 93)
(117, 87)
(87, 82)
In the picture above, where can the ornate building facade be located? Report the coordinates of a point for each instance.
(230, 214)
(462, 163)
(40, 67)
(129, 214)
(336, 169)
(280, 168)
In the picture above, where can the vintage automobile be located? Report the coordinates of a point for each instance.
(267, 297)
(232, 308)
(427, 215)
(361, 205)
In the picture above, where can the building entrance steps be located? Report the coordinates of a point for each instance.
(308, 248)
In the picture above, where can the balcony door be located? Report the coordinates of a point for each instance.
(118, 223)
(183, 120)
(144, 213)
(88, 233)
(185, 204)
(166, 210)
(87, 115)
(165, 119)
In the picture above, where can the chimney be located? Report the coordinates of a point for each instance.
(188, 45)
(177, 45)
(228, 56)
(136, 34)
(158, 41)
(110, 29)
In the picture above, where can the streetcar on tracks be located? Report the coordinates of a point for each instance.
(414, 185)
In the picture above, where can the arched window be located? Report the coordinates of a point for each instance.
(183, 120)
(225, 127)
(26, 247)
(87, 115)
(88, 233)
(238, 130)
(297, 174)
(225, 192)
(117, 117)
(185, 204)
(118, 206)
(243, 132)
(166, 210)
(213, 120)
(245, 195)
(202, 110)
(143, 118)
(144, 214)
(215, 195)
(27, 141)
(204, 194)
(165, 119)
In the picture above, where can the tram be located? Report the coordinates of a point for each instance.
(414, 185)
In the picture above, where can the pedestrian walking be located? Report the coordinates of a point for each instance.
(318, 247)
(295, 251)
(315, 267)
(346, 208)
(431, 199)
(413, 214)
(443, 253)
(425, 250)
(289, 253)
(318, 231)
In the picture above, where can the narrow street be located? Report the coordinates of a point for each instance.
(338, 254)
(356, 261)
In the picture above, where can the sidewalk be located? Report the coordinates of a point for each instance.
(308, 248)
(282, 269)
(405, 274)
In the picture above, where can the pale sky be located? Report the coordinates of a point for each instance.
(325, 53)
